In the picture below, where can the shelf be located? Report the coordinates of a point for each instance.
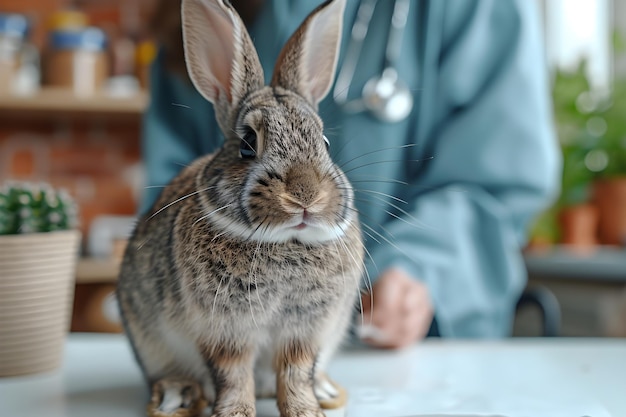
(601, 263)
(57, 100)
(96, 271)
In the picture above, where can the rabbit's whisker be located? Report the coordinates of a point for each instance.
(369, 218)
(365, 191)
(180, 199)
(216, 294)
(343, 273)
(365, 179)
(371, 237)
(254, 275)
(382, 203)
(250, 284)
(368, 282)
(387, 161)
(226, 230)
(389, 212)
(250, 304)
(217, 236)
(256, 229)
(142, 244)
(396, 247)
(206, 216)
(384, 181)
(343, 164)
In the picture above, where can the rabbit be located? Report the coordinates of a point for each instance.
(242, 279)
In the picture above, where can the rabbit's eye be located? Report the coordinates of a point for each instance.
(248, 145)
(327, 142)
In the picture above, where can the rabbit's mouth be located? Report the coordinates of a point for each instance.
(309, 229)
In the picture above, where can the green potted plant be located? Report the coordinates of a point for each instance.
(591, 128)
(39, 244)
(609, 163)
(575, 105)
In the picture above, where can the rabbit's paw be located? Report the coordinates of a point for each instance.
(176, 398)
(303, 413)
(329, 394)
(240, 411)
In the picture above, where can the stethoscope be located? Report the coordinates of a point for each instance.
(385, 96)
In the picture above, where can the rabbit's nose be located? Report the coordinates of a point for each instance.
(295, 206)
(302, 190)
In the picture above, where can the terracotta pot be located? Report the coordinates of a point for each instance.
(579, 225)
(610, 198)
(36, 294)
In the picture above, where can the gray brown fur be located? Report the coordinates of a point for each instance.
(213, 288)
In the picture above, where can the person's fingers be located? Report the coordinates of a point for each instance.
(399, 311)
(384, 300)
(423, 313)
(414, 296)
(418, 322)
(397, 332)
(417, 315)
(404, 333)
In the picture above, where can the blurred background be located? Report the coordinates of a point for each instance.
(73, 86)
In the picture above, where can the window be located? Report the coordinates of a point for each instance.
(577, 29)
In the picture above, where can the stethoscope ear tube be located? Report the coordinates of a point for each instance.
(386, 97)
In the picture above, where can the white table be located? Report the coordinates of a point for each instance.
(514, 378)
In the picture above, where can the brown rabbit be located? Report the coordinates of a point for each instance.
(245, 273)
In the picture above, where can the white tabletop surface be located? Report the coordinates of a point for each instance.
(514, 378)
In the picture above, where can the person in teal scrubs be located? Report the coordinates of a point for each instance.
(469, 168)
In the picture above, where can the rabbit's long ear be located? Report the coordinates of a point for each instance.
(308, 61)
(221, 59)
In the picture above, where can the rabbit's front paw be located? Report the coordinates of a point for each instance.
(304, 413)
(173, 397)
(240, 411)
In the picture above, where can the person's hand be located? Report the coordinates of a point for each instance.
(402, 311)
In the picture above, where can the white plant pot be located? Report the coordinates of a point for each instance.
(37, 274)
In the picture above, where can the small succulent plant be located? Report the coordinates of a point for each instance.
(32, 208)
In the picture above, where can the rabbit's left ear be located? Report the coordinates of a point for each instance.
(308, 61)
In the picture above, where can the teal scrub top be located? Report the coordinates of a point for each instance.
(483, 162)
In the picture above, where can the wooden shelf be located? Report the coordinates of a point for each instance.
(56, 100)
(96, 271)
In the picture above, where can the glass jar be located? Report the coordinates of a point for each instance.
(77, 60)
(19, 60)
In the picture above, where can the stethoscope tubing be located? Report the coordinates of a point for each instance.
(358, 34)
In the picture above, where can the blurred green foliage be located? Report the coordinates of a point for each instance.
(33, 208)
(591, 128)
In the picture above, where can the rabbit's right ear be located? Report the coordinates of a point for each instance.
(221, 59)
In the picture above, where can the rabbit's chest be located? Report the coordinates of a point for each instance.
(270, 286)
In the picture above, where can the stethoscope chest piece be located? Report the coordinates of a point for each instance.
(387, 97)
(384, 96)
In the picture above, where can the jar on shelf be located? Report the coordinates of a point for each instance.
(19, 59)
(145, 54)
(77, 60)
(66, 20)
